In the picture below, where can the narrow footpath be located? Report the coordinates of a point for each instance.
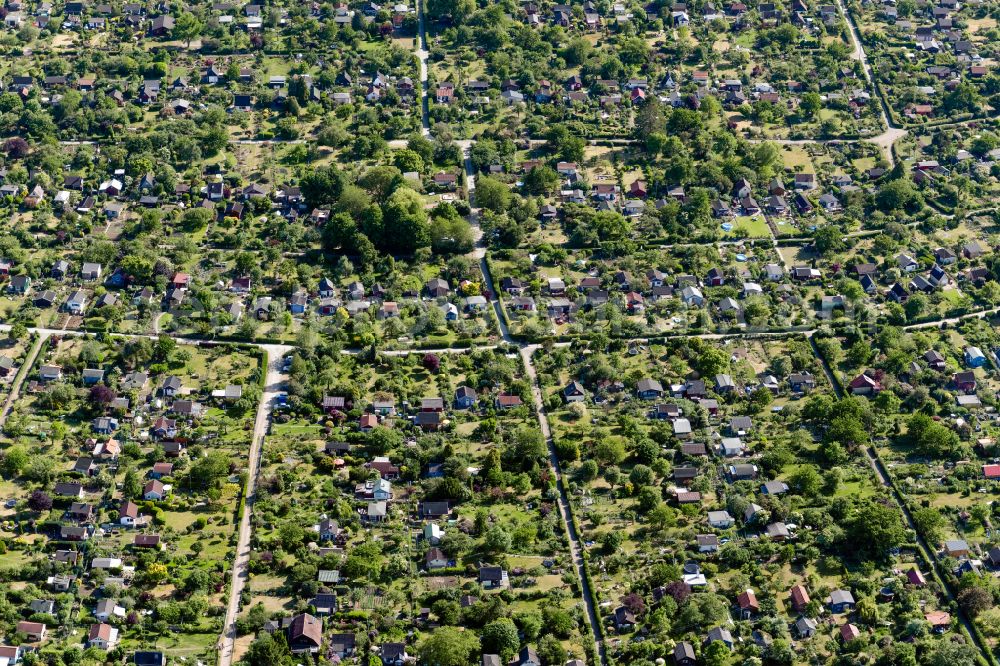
(871, 455)
(575, 546)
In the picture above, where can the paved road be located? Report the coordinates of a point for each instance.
(479, 253)
(527, 351)
(273, 384)
(268, 142)
(857, 50)
(497, 301)
(240, 142)
(883, 141)
(275, 379)
(887, 138)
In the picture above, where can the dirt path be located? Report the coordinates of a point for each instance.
(892, 133)
(421, 43)
(273, 383)
(575, 546)
(883, 476)
(22, 374)
(873, 460)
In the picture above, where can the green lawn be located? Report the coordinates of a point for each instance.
(748, 227)
(952, 296)
(188, 644)
(301, 430)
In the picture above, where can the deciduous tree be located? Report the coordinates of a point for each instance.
(449, 646)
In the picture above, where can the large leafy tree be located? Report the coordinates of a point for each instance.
(810, 105)
(13, 461)
(39, 501)
(449, 646)
(208, 470)
(322, 187)
(131, 486)
(963, 99)
(541, 180)
(457, 10)
(268, 650)
(564, 144)
(930, 437)
(898, 195)
(500, 637)
(450, 232)
(492, 194)
(187, 27)
(874, 529)
(382, 181)
(404, 221)
(951, 653)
